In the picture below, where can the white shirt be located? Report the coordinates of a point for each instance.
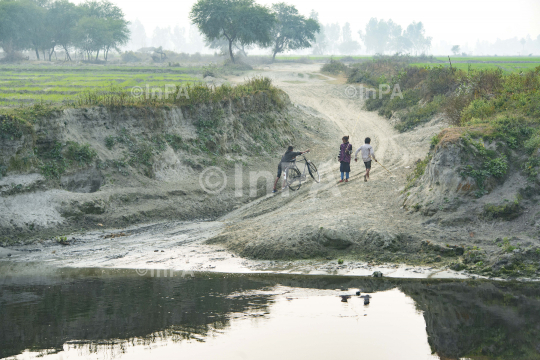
(367, 152)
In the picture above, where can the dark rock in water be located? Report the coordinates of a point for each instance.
(358, 293)
(366, 301)
(344, 298)
(377, 274)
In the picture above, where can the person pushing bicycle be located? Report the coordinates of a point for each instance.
(288, 157)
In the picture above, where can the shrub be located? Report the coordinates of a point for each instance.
(532, 144)
(110, 141)
(82, 154)
(497, 167)
(12, 127)
(419, 114)
(440, 81)
(504, 212)
(334, 67)
(417, 172)
(210, 70)
(129, 56)
(480, 109)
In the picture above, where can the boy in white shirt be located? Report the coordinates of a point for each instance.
(367, 155)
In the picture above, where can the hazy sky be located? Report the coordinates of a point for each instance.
(454, 21)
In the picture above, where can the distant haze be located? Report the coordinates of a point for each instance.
(461, 22)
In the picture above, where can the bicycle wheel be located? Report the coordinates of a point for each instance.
(294, 178)
(314, 172)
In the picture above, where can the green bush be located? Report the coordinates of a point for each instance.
(532, 144)
(497, 167)
(334, 67)
(480, 109)
(110, 141)
(504, 212)
(419, 114)
(82, 154)
(13, 127)
(418, 171)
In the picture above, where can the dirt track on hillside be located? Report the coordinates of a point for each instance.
(357, 215)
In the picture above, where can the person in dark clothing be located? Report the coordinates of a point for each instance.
(344, 158)
(288, 157)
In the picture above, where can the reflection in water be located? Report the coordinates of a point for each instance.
(95, 313)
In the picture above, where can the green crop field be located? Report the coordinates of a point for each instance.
(33, 84)
(490, 59)
(320, 57)
(507, 64)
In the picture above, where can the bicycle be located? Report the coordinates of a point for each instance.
(295, 177)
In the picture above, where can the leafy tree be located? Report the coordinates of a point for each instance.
(240, 21)
(14, 32)
(138, 35)
(179, 38)
(333, 34)
(321, 43)
(63, 17)
(102, 27)
(291, 31)
(456, 49)
(415, 32)
(348, 46)
(223, 46)
(401, 44)
(380, 36)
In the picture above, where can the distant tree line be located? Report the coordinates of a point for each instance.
(91, 28)
(379, 37)
(239, 24)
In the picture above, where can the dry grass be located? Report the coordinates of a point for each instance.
(452, 135)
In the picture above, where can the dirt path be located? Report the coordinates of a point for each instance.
(296, 223)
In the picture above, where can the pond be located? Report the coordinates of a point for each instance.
(128, 314)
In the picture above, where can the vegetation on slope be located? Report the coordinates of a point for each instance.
(256, 100)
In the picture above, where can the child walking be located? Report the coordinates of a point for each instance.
(367, 155)
(344, 158)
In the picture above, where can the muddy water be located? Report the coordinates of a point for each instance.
(122, 314)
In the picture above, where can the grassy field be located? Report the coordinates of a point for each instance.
(31, 84)
(508, 64)
(506, 67)
(321, 57)
(490, 59)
